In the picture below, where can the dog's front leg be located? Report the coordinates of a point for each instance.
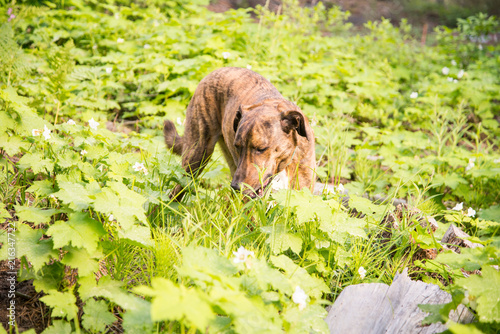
(194, 160)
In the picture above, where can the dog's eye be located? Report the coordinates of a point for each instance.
(260, 150)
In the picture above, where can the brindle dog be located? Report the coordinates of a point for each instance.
(258, 130)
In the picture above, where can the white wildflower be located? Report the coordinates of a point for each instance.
(445, 70)
(455, 80)
(111, 217)
(36, 132)
(249, 67)
(340, 188)
(374, 157)
(280, 181)
(471, 212)
(83, 152)
(179, 120)
(139, 167)
(453, 62)
(120, 40)
(362, 272)
(300, 297)
(480, 47)
(109, 70)
(243, 256)
(413, 95)
(46, 132)
(147, 46)
(226, 55)
(450, 79)
(54, 198)
(460, 74)
(71, 122)
(93, 124)
(458, 207)
(471, 164)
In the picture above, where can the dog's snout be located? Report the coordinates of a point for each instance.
(235, 186)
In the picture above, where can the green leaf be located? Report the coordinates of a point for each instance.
(486, 289)
(59, 327)
(298, 276)
(96, 316)
(29, 244)
(452, 180)
(73, 194)
(440, 312)
(172, 302)
(492, 213)
(267, 277)
(80, 259)
(464, 329)
(341, 225)
(307, 206)
(281, 241)
(205, 265)
(12, 144)
(138, 235)
(469, 259)
(367, 207)
(63, 304)
(4, 214)
(41, 188)
(80, 231)
(34, 215)
(36, 162)
(309, 320)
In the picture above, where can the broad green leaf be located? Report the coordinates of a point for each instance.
(281, 241)
(172, 302)
(307, 206)
(80, 259)
(452, 180)
(36, 162)
(309, 320)
(12, 144)
(249, 315)
(34, 215)
(29, 242)
(268, 277)
(41, 188)
(63, 304)
(59, 327)
(298, 276)
(367, 207)
(138, 235)
(492, 213)
(96, 316)
(73, 194)
(486, 289)
(79, 230)
(469, 259)
(464, 329)
(341, 225)
(205, 265)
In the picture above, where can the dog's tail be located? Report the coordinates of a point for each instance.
(172, 138)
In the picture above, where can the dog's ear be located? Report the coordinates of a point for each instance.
(293, 119)
(237, 118)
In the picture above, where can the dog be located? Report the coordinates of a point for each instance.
(261, 134)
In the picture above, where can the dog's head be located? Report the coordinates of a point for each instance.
(266, 139)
